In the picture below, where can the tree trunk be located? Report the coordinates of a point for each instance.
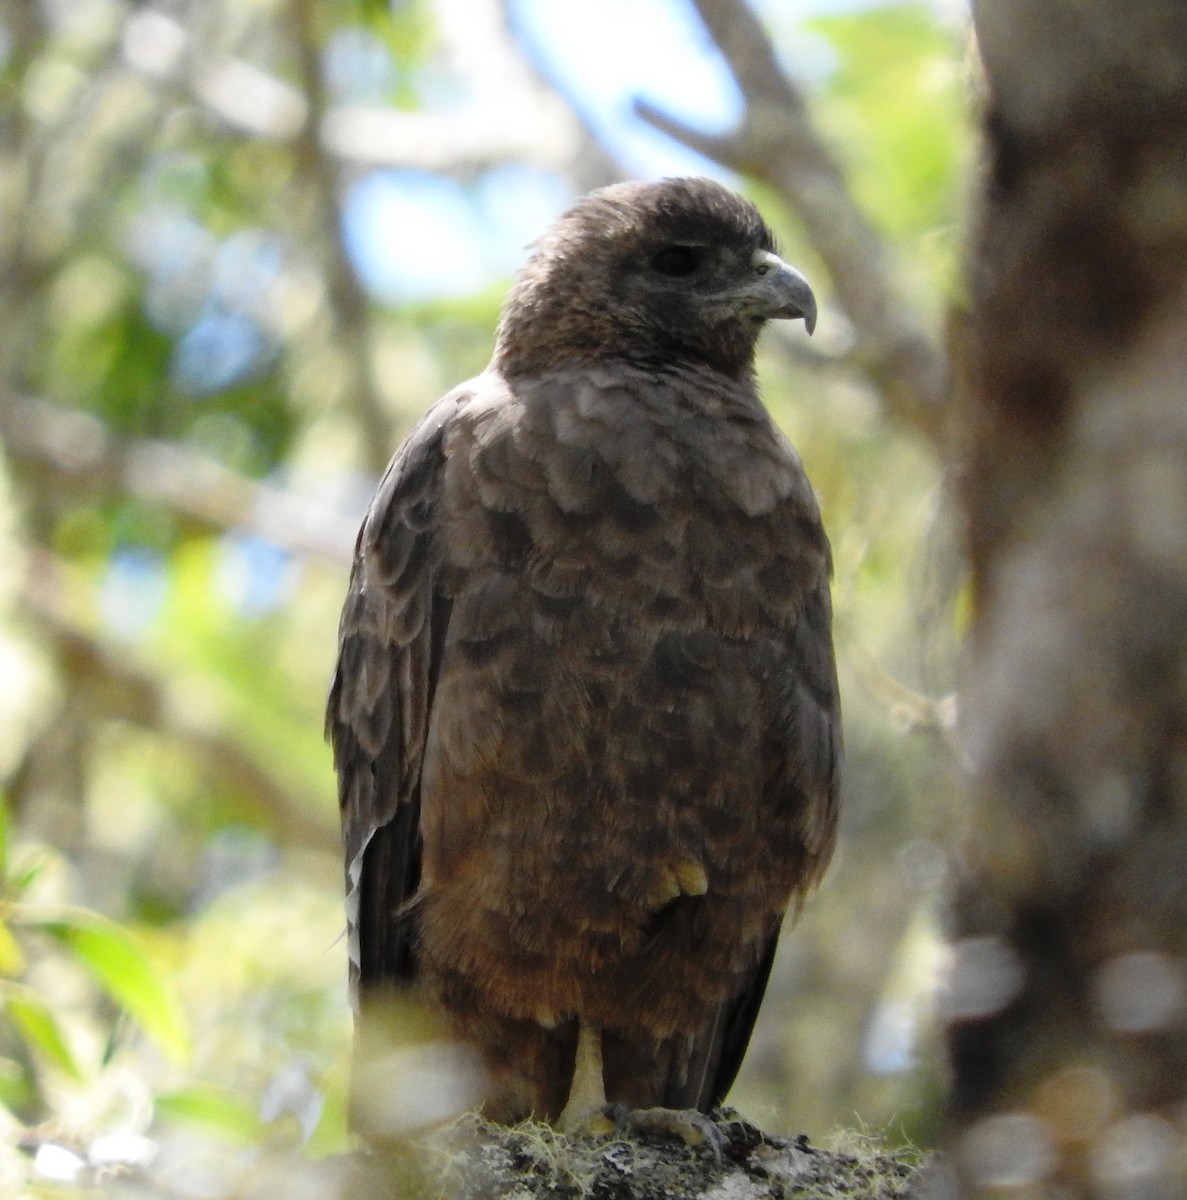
(1068, 998)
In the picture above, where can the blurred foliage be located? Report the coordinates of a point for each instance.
(198, 395)
(896, 106)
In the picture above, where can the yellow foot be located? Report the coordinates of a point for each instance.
(592, 1123)
(586, 1113)
(691, 1127)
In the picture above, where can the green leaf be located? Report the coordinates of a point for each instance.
(215, 1107)
(18, 1089)
(26, 869)
(37, 1025)
(12, 960)
(118, 963)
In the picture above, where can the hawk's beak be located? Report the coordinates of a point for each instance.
(779, 291)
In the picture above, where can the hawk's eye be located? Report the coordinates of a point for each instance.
(676, 260)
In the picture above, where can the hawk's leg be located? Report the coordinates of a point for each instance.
(585, 1110)
(587, 1113)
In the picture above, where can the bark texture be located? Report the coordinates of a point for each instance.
(1068, 997)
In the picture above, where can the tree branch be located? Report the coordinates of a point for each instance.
(515, 114)
(122, 689)
(349, 305)
(78, 447)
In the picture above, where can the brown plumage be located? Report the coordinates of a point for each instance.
(585, 714)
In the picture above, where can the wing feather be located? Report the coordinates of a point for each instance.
(390, 638)
(805, 752)
(717, 1056)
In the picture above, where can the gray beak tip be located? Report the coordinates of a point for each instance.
(779, 291)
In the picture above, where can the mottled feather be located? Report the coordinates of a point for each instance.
(585, 716)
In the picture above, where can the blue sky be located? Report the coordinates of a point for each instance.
(602, 53)
(606, 53)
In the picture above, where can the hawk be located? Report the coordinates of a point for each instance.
(585, 716)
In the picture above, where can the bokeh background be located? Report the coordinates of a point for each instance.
(243, 245)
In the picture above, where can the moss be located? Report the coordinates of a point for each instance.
(474, 1160)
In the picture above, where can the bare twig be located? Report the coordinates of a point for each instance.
(776, 143)
(909, 711)
(349, 306)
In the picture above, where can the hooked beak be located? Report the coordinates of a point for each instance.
(777, 291)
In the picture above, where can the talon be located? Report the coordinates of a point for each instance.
(691, 1127)
(593, 1123)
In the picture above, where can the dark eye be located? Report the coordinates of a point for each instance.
(676, 260)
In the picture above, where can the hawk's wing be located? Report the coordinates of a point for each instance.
(390, 640)
(804, 747)
(803, 756)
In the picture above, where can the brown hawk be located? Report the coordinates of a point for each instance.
(585, 714)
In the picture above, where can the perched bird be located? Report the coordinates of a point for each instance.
(585, 715)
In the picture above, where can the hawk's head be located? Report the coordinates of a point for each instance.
(682, 270)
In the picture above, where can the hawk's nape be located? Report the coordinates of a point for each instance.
(585, 715)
